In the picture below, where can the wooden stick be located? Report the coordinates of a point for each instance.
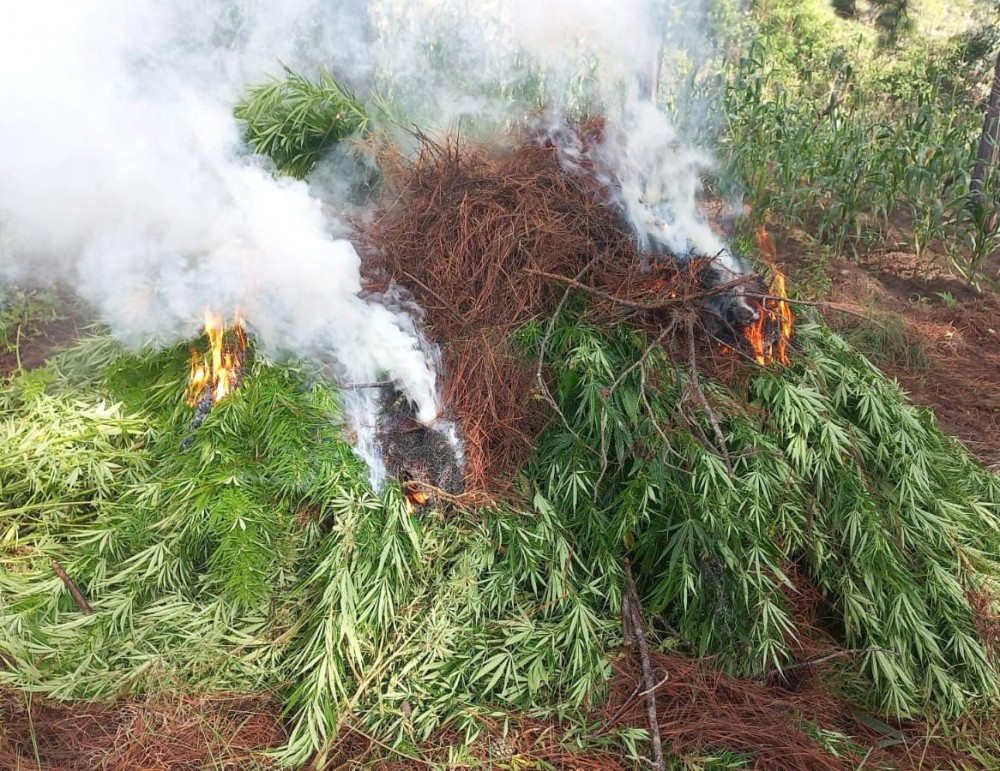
(817, 304)
(635, 612)
(696, 388)
(575, 283)
(782, 671)
(539, 372)
(610, 722)
(81, 601)
(641, 360)
(357, 386)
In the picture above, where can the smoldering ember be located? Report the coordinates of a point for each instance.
(499, 385)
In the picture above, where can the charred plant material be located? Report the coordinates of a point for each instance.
(201, 411)
(204, 407)
(422, 458)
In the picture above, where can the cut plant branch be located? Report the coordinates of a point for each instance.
(74, 590)
(633, 616)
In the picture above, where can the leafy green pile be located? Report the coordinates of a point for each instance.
(833, 474)
(259, 557)
(295, 120)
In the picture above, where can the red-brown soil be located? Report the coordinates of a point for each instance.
(223, 731)
(700, 710)
(37, 345)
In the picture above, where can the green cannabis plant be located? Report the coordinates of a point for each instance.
(258, 556)
(296, 120)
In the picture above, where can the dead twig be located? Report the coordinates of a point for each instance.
(700, 395)
(817, 304)
(358, 386)
(656, 423)
(444, 303)
(783, 672)
(539, 372)
(641, 360)
(635, 618)
(74, 590)
(687, 299)
(610, 722)
(636, 694)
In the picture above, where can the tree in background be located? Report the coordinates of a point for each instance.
(894, 20)
(892, 17)
(846, 9)
(988, 141)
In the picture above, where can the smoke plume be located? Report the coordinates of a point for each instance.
(123, 173)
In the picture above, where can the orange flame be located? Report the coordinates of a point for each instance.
(218, 371)
(775, 314)
(414, 497)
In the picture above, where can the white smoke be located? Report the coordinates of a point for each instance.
(659, 181)
(122, 171)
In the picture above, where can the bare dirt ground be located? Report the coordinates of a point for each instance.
(35, 346)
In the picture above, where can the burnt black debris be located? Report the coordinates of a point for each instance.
(204, 407)
(415, 453)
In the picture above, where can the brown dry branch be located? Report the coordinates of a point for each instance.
(633, 619)
(74, 590)
(695, 385)
(700, 710)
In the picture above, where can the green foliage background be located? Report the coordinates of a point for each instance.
(857, 132)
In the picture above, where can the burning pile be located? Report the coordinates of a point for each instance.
(584, 385)
(581, 365)
(770, 335)
(504, 238)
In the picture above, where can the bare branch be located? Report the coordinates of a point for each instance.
(635, 612)
(700, 395)
(74, 590)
